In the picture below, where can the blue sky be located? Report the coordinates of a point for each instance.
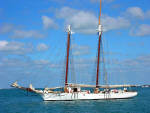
(33, 41)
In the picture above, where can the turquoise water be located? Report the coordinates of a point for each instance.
(16, 101)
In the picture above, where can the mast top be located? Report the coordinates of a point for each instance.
(69, 30)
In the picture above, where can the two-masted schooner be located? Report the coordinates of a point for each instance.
(74, 91)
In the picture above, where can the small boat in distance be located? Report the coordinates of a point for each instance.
(145, 86)
(74, 91)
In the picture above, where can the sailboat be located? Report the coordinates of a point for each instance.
(74, 91)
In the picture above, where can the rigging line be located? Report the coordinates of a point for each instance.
(73, 77)
(104, 65)
(19, 69)
(36, 72)
(62, 70)
(62, 66)
(108, 58)
(94, 71)
(109, 62)
(55, 54)
(57, 51)
(62, 77)
(56, 47)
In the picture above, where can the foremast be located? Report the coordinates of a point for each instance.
(99, 30)
(67, 57)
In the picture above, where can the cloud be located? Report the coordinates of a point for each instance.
(81, 21)
(111, 23)
(148, 14)
(42, 47)
(138, 64)
(135, 12)
(27, 34)
(6, 28)
(19, 48)
(131, 71)
(49, 23)
(141, 63)
(21, 69)
(79, 50)
(86, 22)
(3, 43)
(15, 48)
(142, 30)
(17, 33)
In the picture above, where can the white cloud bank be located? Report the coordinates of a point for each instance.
(15, 32)
(135, 12)
(86, 22)
(27, 34)
(142, 30)
(5, 28)
(79, 50)
(111, 23)
(81, 21)
(19, 48)
(48, 22)
(15, 47)
(42, 47)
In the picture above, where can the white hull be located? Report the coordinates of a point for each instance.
(86, 96)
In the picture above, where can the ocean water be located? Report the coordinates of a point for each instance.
(17, 101)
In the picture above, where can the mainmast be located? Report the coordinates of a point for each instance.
(68, 50)
(99, 46)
